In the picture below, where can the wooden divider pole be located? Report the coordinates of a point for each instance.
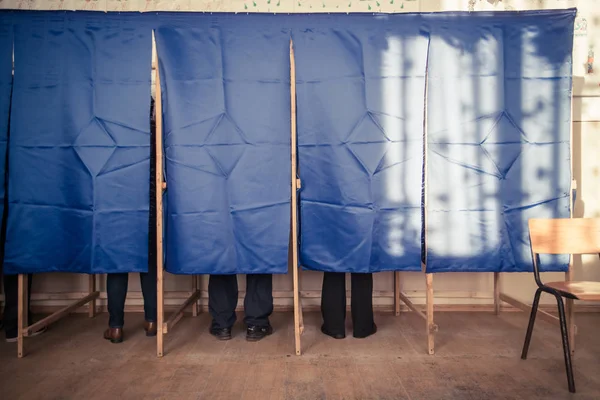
(431, 327)
(194, 290)
(294, 183)
(569, 274)
(160, 301)
(92, 289)
(23, 311)
(397, 293)
(497, 300)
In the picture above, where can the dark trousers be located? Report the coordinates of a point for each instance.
(333, 303)
(116, 291)
(11, 304)
(223, 298)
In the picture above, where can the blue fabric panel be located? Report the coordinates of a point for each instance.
(226, 106)
(6, 49)
(360, 90)
(79, 145)
(499, 118)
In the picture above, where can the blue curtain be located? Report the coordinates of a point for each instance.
(6, 50)
(360, 89)
(226, 105)
(79, 144)
(498, 114)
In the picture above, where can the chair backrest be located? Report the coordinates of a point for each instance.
(565, 236)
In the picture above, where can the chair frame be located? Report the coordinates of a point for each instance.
(561, 316)
(559, 295)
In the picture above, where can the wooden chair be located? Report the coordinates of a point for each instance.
(562, 236)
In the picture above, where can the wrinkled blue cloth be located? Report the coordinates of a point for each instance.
(498, 115)
(361, 91)
(226, 105)
(79, 144)
(6, 50)
(498, 122)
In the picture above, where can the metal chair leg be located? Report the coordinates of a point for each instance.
(565, 340)
(534, 308)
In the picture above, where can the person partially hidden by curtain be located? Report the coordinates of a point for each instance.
(11, 282)
(10, 317)
(333, 305)
(258, 305)
(116, 284)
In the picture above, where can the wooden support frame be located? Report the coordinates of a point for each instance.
(500, 297)
(194, 299)
(26, 330)
(430, 326)
(295, 185)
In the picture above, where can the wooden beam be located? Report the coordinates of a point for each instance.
(92, 289)
(298, 320)
(412, 306)
(160, 290)
(174, 319)
(23, 311)
(570, 304)
(194, 290)
(63, 312)
(199, 301)
(569, 275)
(430, 324)
(496, 293)
(397, 293)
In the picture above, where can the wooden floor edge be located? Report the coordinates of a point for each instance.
(314, 308)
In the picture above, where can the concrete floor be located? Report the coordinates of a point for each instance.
(477, 357)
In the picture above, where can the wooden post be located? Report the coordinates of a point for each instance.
(199, 301)
(569, 274)
(22, 318)
(92, 289)
(297, 311)
(497, 301)
(160, 301)
(570, 303)
(194, 289)
(431, 328)
(397, 293)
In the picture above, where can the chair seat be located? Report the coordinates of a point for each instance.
(582, 290)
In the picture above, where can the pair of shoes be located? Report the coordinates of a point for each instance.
(333, 335)
(255, 333)
(12, 337)
(150, 328)
(368, 334)
(115, 335)
(220, 333)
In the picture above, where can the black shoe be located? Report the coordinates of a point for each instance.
(255, 333)
(333, 335)
(221, 333)
(368, 334)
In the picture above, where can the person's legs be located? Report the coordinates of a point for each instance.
(222, 300)
(116, 292)
(148, 283)
(258, 305)
(11, 306)
(362, 305)
(333, 304)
